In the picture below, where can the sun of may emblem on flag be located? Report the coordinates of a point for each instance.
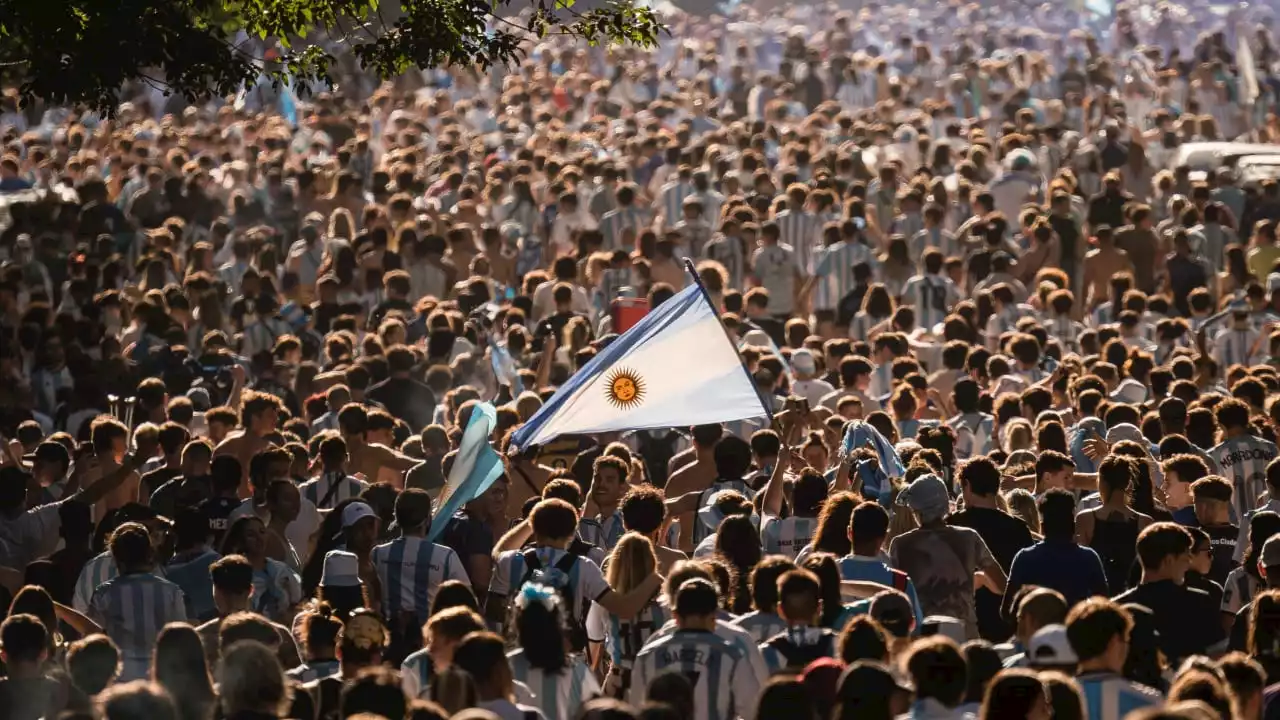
(624, 389)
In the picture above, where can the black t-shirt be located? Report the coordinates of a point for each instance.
(1222, 548)
(467, 536)
(217, 510)
(1186, 618)
(153, 480)
(29, 699)
(180, 492)
(1004, 535)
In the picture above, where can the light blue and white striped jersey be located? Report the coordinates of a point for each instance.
(785, 536)
(604, 533)
(1066, 330)
(623, 639)
(261, 335)
(881, 383)
(1108, 696)
(974, 433)
(415, 675)
(833, 270)
(410, 570)
(700, 529)
(729, 632)
(670, 202)
(308, 671)
(190, 572)
(1234, 347)
(876, 570)
(615, 223)
(557, 695)
(860, 326)
(935, 237)
(724, 685)
(909, 428)
(316, 488)
(932, 296)
(276, 589)
(132, 610)
(819, 641)
(98, 570)
(1238, 590)
(803, 232)
(586, 583)
(1243, 460)
(761, 625)
(730, 252)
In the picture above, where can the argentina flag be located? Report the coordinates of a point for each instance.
(674, 368)
(474, 469)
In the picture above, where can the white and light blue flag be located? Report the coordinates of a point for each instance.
(674, 368)
(474, 469)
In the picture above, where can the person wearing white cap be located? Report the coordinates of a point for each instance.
(806, 384)
(411, 568)
(340, 583)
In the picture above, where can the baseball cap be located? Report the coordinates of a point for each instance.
(802, 361)
(341, 569)
(928, 496)
(893, 611)
(355, 512)
(1049, 646)
(1271, 552)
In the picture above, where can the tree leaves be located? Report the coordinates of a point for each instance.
(84, 51)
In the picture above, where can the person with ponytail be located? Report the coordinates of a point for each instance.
(631, 561)
(561, 682)
(320, 628)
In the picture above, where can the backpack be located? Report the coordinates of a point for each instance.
(559, 581)
(656, 452)
(799, 656)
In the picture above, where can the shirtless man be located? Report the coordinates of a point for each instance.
(110, 439)
(528, 478)
(1100, 264)
(381, 431)
(259, 413)
(695, 476)
(370, 459)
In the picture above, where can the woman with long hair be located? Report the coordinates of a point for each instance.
(831, 534)
(276, 590)
(1015, 695)
(877, 307)
(35, 600)
(896, 266)
(542, 659)
(835, 614)
(631, 561)
(738, 543)
(178, 664)
(1112, 528)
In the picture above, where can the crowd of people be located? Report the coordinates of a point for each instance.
(1017, 346)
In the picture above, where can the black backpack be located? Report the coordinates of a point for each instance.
(532, 564)
(656, 452)
(799, 656)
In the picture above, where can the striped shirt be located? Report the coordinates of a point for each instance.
(623, 639)
(276, 589)
(1238, 590)
(1066, 330)
(700, 529)
(803, 232)
(731, 253)
(820, 639)
(315, 670)
(774, 266)
(615, 223)
(873, 569)
(1243, 460)
(560, 694)
(603, 533)
(1108, 696)
(974, 432)
(785, 536)
(410, 570)
(761, 625)
(934, 237)
(132, 610)
(97, 571)
(860, 326)
(670, 202)
(724, 684)
(586, 583)
(1234, 347)
(316, 488)
(191, 573)
(415, 675)
(932, 296)
(833, 270)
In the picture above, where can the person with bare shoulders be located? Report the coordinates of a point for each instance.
(1112, 528)
(1100, 263)
(528, 478)
(368, 459)
(696, 476)
(644, 511)
(110, 440)
(259, 413)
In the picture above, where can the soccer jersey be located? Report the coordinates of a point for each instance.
(700, 529)
(932, 296)
(785, 536)
(559, 695)
(724, 684)
(833, 272)
(794, 648)
(190, 572)
(761, 625)
(410, 570)
(317, 489)
(415, 675)
(276, 588)
(132, 610)
(974, 432)
(314, 670)
(1243, 460)
(1238, 590)
(623, 639)
(873, 569)
(97, 571)
(1108, 696)
(1234, 347)
(586, 583)
(604, 533)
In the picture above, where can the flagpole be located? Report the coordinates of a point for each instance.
(745, 370)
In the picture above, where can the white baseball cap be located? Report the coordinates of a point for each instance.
(355, 512)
